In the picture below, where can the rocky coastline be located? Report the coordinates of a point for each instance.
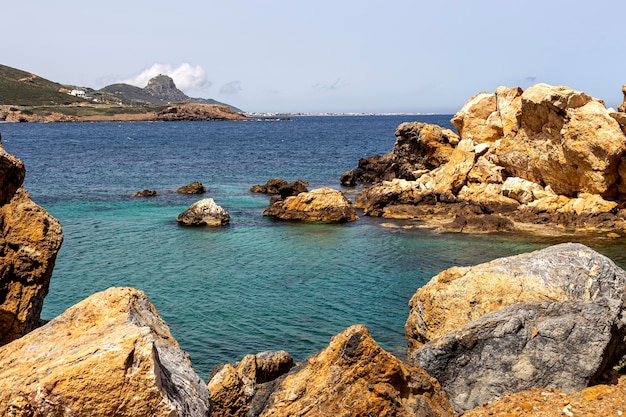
(541, 333)
(549, 156)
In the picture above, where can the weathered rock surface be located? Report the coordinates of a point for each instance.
(566, 140)
(234, 387)
(565, 345)
(30, 240)
(109, 355)
(319, 205)
(354, 376)
(608, 399)
(487, 117)
(458, 295)
(195, 187)
(204, 213)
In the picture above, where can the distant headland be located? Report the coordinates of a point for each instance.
(27, 97)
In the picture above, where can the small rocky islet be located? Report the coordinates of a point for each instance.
(540, 333)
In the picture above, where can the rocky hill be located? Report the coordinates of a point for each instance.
(21, 88)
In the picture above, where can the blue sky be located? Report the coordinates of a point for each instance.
(324, 56)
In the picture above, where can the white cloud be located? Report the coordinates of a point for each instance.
(232, 87)
(185, 76)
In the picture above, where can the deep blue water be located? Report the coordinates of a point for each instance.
(257, 284)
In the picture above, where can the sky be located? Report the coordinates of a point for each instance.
(389, 56)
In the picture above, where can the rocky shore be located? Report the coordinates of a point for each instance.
(549, 155)
(540, 333)
(94, 113)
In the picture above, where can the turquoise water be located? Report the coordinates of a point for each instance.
(257, 284)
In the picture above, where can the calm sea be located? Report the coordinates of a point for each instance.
(257, 284)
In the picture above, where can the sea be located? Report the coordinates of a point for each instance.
(257, 284)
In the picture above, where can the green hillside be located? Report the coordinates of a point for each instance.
(130, 95)
(23, 88)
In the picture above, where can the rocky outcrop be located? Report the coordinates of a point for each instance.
(319, 205)
(354, 376)
(195, 187)
(547, 155)
(109, 355)
(419, 148)
(237, 388)
(204, 213)
(280, 187)
(198, 112)
(163, 87)
(30, 241)
(459, 295)
(564, 345)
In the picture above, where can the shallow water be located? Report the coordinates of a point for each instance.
(257, 284)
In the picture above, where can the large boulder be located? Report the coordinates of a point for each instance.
(204, 213)
(30, 241)
(319, 205)
(566, 140)
(458, 295)
(356, 377)
(109, 355)
(622, 107)
(565, 345)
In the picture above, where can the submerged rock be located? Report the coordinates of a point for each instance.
(109, 355)
(354, 376)
(319, 205)
(193, 188)
(204, 213)
(30, 239)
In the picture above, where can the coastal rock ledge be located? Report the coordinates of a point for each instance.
(109, 355)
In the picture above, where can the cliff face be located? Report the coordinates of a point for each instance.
(29, 242)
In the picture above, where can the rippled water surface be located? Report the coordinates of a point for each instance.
(257, 284)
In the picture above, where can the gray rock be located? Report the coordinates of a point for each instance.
(204, 213)
(566, 345)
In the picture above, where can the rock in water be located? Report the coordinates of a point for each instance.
(29, 242)
(565, 345)
(109, 355)
(568, 271)
(354, 376)
(320, 205)
(204, 213)
(195, 187)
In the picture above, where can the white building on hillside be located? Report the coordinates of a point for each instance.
(78, 93)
